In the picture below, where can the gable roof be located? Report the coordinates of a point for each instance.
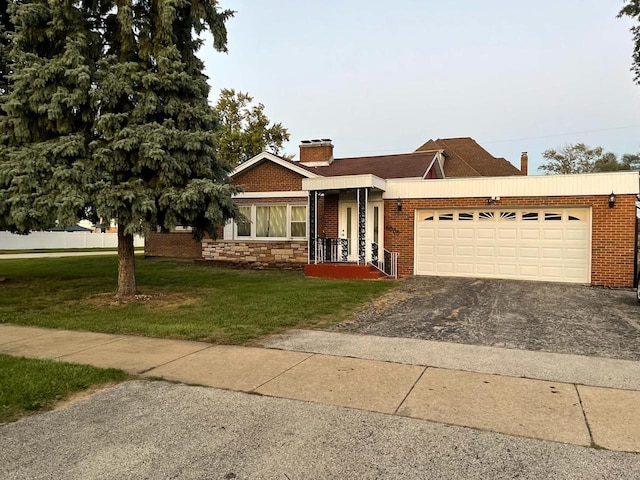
(407, 165)
(283, 162)
(465, 158)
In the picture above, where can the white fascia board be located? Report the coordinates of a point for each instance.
(619, 183)
(343, 182)
(288, 194)
(275, 159)
(437, 160)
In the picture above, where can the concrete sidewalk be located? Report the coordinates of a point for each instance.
(569, 412)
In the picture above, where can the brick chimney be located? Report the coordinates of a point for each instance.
(524, 163)
(316, 153)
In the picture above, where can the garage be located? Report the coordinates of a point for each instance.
(547, 244)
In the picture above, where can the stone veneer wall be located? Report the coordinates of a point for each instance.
(256, 254)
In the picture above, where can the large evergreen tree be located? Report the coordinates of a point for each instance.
(108, 115)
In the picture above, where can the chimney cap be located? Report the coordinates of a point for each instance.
(316, 141)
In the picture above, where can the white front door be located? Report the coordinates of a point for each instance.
(348, 228)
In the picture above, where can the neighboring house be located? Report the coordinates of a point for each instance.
(450, 208)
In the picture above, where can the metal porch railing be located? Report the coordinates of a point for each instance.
(336, 250)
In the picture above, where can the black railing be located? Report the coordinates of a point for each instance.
(332, 250)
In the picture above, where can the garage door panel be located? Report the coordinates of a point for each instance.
(551, 253)
(575, 254)
(536, 244)
(507, 270)
(507, 252)
(487, 251)
(530, 234)
(486, 233)
(530, 253)
(465, 233)
(551, 272)
(445, 267)
(464, 251)
(532, 271)
(445, 250)
(486, 268)
(507, 233)
(465, 268)
(552, 234)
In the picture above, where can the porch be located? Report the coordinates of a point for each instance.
(346, 228)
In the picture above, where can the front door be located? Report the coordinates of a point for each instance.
(348, 229)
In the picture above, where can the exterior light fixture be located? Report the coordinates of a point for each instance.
(399, 205)
(612, 200)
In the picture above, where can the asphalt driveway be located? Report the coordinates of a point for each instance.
(561, 318)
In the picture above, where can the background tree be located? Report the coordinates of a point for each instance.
(107, 114)
(576, 158)
(632, 9)
(579, 158)
(244, 129)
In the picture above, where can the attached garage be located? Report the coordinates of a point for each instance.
(547, 244)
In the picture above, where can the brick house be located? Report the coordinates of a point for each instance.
(449, 208)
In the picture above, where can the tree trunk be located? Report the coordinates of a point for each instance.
(126, 265)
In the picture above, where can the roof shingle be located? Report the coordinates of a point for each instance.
(465, 158)
(408, 165)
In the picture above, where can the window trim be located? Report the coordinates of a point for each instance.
(252, 218)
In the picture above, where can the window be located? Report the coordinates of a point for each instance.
(298, 221)
(552, 216)
(508, 215)
(445, 216)
(270, 221)
(376, 224)
(244, 229)
(485, 216)
(465, 216)
(530, 216)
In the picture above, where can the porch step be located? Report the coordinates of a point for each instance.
(342, 270)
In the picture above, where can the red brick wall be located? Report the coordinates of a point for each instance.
(329, 226)
(315, 153)
(268, 177)
(172, 244)
(612, 238)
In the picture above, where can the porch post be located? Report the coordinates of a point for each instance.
(313, 226)
(362, 195)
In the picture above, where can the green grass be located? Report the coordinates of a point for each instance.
(30, 385)
(189, 301)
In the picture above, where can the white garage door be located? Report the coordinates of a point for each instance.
(549, 244)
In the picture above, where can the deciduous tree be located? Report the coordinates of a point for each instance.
(579, 158)
(576, 158)
(632, 9)
(244, 129)
(107, 114)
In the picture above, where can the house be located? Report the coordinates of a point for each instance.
(449, 208)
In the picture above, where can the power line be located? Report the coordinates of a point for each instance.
(562, 134)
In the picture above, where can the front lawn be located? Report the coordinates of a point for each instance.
(179, 299)
(28, 385)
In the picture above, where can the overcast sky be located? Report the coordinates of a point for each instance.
(384, 77)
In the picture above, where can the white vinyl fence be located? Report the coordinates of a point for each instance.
(46, 240)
